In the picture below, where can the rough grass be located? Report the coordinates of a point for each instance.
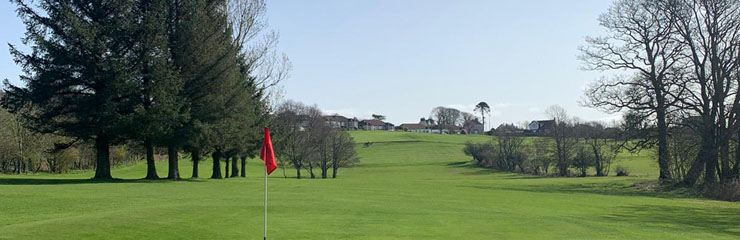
(408, 186)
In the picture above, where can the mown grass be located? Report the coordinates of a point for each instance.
(408, 186)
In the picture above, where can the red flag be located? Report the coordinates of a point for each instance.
(267, 154)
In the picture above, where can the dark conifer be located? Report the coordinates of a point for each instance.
(79, 79)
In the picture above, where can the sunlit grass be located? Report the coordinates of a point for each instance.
(407, 186)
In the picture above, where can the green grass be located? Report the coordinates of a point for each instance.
(408, 186)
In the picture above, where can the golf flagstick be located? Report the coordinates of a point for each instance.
(265, 230)
(268, 156)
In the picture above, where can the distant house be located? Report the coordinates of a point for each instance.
(414, 127)
(427, 122)
(473, 127)
(375, 124)
(424, 126)
(339, 121)
(389, 126)
(541, 127)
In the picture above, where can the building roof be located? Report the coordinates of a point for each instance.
(545, 124)
(412, 126)
(335, 118)
(474, 122)
(373, 122)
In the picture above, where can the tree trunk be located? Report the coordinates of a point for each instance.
(151, 169)
(234, 167)
(698, 165)
(244, 166)
(102, 159)
(736, 166)
(483, 117)
(324, 171)
(334, 172)
(724, 157)
(216, 164)
(310, 170)
(226, 167)
(174, 170)
(195, 155)
(597, 156)
(710, 174)
(298, 172)
(664, 157)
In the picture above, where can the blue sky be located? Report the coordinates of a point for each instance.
(402, 58)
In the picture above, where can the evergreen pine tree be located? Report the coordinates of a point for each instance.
(79, 81)
(161, 107)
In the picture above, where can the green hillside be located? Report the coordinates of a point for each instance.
(407, 186)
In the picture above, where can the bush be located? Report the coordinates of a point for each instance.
(729, 191)
(119, 155)
(583, 159)
(622, 171)
(60, 161)
(483, 153)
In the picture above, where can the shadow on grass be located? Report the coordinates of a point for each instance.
(680, 218)
(399, 142)
(476, 170)
(617, 188)
(460, 164)
(623, 186)
(64, 181)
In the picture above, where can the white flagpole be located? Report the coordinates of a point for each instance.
(265, 230)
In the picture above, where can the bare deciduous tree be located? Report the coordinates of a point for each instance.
(640, 39)
(710, 31)
(343, 152)
(603, 144)
(564, 138)
(447, 118)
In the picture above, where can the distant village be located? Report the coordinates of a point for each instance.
(428, 125)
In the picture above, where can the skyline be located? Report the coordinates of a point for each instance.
(401, 59)
(419, 56)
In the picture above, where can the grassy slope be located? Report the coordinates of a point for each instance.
(408, 186)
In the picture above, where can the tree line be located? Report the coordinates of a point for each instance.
(305, 142)
(25, 151)
(677, 77)
(569, 145)
(188, 76)
(450, 119)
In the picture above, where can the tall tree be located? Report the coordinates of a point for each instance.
(564, 138)
(161, 108)
(79, 82)
(483, 109)
(710, 31)
(343, 152)
(202, 49)
(260, 69)
(640, 39)
(292, 139)
(603, 145)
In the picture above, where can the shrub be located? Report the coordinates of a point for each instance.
(583, 159)
(60, 161)
(622, 171)
(119, 155)
(729, 191)
(482, 153)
